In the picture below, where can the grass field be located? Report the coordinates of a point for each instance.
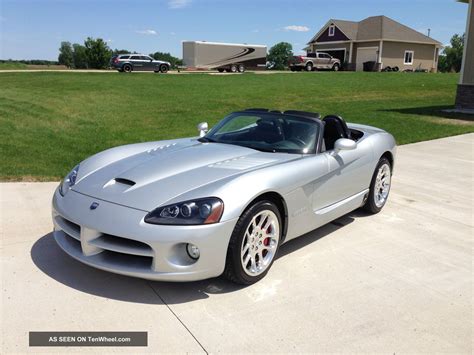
(51, 121)
(13, 66)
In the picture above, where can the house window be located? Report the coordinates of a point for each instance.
(332, 30)
(408, 57)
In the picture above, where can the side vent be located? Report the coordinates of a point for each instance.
(125, 181)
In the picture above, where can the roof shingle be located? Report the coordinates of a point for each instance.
(380, 27)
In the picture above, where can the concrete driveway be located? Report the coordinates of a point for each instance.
(400, 281)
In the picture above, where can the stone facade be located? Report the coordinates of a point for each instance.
(465, 97)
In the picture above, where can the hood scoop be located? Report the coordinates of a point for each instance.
(124, 181)
(118, 185)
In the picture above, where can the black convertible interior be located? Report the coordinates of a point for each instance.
(289, 131)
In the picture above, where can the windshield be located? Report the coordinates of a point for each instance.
(266, 131)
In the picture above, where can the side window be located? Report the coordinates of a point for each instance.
(136, 57)
(408, 60)
(124, 57)
(311, 55)
(145, 57)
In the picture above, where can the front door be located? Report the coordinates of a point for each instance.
(147, 63)
(348, 178)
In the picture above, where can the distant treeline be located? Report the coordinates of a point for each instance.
(96, 54)
(30, 61)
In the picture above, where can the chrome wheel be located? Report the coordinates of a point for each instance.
(382, 185)
(260, 243)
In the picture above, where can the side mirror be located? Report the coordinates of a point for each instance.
(202, 128)
(344, 144)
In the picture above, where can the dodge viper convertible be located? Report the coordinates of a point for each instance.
(221, 203)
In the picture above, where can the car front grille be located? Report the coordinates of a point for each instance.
(113, 249)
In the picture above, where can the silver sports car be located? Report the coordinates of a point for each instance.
(222, 203)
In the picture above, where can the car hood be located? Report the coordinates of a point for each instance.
(153, 177)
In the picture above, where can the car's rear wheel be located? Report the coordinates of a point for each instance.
(335, 67)
(241, 68)
(233, 68)
(254, 243)
(379, 186)
(127, 68)
(309, 67)
(164, 68)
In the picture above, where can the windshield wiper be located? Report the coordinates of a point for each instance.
(206, 140)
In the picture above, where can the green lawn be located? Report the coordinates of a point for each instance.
(51, 121)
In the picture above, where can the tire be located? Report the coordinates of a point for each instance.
(378, 195)
(220, 70)
(233, 68)
(336, 67)
(309, 67)
(241, 68)
(164, 68)
(292, 69)
(127, 68)
(259, 246)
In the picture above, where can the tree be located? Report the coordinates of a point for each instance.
(451, 59)
(79, 56)
(167, 57)
(121, 51)
(280, 54)
(98, 53)
(65, 54)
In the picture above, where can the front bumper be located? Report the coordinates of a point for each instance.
(115, 238)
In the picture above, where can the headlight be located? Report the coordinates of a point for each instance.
(199, 211)
(68, 181)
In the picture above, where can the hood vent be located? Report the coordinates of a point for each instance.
(124, 181)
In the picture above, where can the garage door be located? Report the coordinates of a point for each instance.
(365, 55)
(337, 53)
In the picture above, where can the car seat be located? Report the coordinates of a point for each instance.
(270, 130)
(334, 128)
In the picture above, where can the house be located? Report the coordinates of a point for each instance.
(378, 39)
(465, 92)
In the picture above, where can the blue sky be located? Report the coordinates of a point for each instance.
(34, 29)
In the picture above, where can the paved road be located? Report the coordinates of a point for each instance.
(400, 281)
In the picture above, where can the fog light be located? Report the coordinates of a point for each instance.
(193, 251)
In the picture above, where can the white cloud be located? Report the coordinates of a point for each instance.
(296, 28)
(256, 31)
(147, 32)
(178, 4)
(109, 40)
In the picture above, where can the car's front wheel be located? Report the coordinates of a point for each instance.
(379, 186)
(164, 68)
(254, 243)
(335, 67)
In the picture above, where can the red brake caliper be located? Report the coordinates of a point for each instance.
(266, 241)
